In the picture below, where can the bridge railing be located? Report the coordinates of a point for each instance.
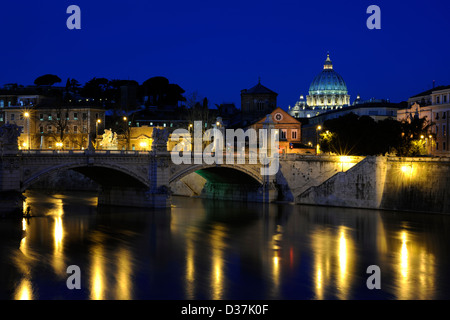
(41, 152)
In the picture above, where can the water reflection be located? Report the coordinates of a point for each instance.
(416, 273)
(214, 250)
(24, 290)
(218, 234)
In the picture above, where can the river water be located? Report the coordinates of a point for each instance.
(205, 249)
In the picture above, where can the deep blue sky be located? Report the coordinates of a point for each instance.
(220, 47)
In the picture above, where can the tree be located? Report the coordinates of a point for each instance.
(160, 92)
(413, 130)
(95, 89)
(60, 121)
(354, 135)
(47, 80)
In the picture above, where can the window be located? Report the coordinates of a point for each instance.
(437, 145)
(84, 116)
(437, 129)
(12, 116)
(445, 99)
(444, 132)
(75, 129)
(58, 116)
(294, 134)
(436, 115)
(67, 116)
(50, 118)
(49, 129)
(444, 115)
(260, 105)
(283, 134)
(41, 129)
(41, 116)
(438, 100)
(75, 116)
(443, 146)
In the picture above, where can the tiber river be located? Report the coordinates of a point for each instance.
(205, 249)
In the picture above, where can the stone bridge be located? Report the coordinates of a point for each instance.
(146, 179)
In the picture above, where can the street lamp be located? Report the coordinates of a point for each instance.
(27, 116)
(125, 119)
(317, 138)
(96, 127)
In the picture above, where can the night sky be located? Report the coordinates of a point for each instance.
(220, 47)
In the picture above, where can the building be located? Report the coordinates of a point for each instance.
(289, 132)
(434, 104)
(328, 91)
(257, 102)
(44, 127)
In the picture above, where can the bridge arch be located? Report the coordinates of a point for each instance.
(252, 172)
(103, 174)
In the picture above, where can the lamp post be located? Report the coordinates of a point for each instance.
(125, 119)
(96, 131)
(27, 116)
(317, 138)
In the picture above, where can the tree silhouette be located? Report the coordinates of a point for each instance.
(47, 80)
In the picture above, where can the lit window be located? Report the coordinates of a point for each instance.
(294, 134)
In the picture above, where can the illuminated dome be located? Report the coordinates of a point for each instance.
(328, 89)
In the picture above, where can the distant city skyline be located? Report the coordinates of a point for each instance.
(218, 49)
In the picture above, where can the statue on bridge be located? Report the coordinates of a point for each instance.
(160, 138)
(9, 136)
(109, 140)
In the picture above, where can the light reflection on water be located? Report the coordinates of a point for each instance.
(202, 249)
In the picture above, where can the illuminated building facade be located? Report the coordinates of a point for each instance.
(434, 104)
(328, 91)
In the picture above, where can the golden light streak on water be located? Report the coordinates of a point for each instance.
(97, 272)
(276, 259)
(24, 291)
(345, 257)
(58, 235)
(124, 286)
(217, 246)
(190, 266)
(404, 256)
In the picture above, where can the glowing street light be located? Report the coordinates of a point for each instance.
(96, 128)
(26, 114)
(317, 138)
